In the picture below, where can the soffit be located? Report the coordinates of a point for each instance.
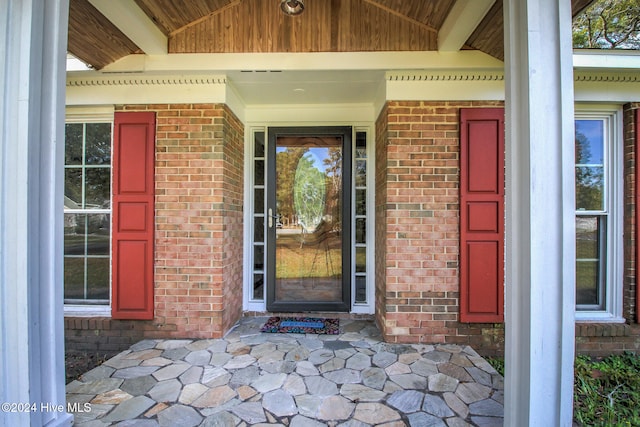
(488, 36)
(232, 26)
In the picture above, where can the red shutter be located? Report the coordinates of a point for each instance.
(482, 215)
(133, 215)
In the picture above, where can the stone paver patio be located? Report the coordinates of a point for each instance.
(251, 378)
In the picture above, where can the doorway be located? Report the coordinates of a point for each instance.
(308, 219)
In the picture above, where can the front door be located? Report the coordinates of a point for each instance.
(308, 219)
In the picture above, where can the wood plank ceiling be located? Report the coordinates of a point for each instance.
(221, 26)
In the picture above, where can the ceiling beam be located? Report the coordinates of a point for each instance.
(401, 15)
(135, 24)
(462, 20)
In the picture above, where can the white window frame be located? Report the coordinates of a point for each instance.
(92, 115)
(611, 115)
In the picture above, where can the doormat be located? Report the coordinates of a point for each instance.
(302, 325)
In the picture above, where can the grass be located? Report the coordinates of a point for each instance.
(606, 390)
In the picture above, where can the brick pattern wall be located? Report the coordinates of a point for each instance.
(199, 232)
(419, 221)
(603, 339)
(106, 336)
(199, 237)
(417, 215)
(630, 285)
(380, 272)
(231, 228)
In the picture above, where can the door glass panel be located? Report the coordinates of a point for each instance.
(259, 200)
(308, 246)
(361, 260)
(258, 230)
(361, 230)
(259, 179)
(361, 173)
(361, 202)
(258, 257)
(258, 286)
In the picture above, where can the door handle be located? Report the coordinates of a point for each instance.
(270, 218)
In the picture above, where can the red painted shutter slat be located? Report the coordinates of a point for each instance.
(133, 215)
(482, 215)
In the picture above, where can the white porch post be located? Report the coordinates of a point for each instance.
(33, 37)
(540, 228)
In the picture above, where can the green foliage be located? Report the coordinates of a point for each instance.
(607, 391)
(497, 363)
(608, 24)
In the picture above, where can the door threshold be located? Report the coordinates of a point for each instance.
(328, 314)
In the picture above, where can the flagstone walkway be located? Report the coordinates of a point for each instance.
(251, 379)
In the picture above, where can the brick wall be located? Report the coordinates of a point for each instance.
(417, 214)
(199, 232)
(199, 236)
(603, 339)
(381, 219)
(630, 286)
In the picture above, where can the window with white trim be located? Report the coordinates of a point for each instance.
(87, 212)
(598, 180)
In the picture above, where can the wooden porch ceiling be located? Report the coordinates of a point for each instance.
(103, 31)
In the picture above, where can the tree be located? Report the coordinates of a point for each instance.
(608, 24)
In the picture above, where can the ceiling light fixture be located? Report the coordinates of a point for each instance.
(292, 7)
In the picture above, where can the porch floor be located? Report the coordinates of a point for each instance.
(251, 378)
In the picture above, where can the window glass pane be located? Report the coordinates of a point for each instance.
(259, 144)
(87, 237)
(361, 202)
(361, 260)
(73, 188)
(361, 230)
(98, 188)
(590, 249)
(74, 234)
(73, 144)
(98, 234)
(258, 229)
(361, 173)
(258, 286)
(98, 144)
(587, 237)
(259, 172)
(259, 200)
(589, 188)
(590, 142)
(258, 257)
(361, 289)
(587, 283)
(98, 278)
(74, 278)
(361, 145)
(590, 179)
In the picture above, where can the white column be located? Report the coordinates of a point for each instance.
(540, 224)
(33, 40)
